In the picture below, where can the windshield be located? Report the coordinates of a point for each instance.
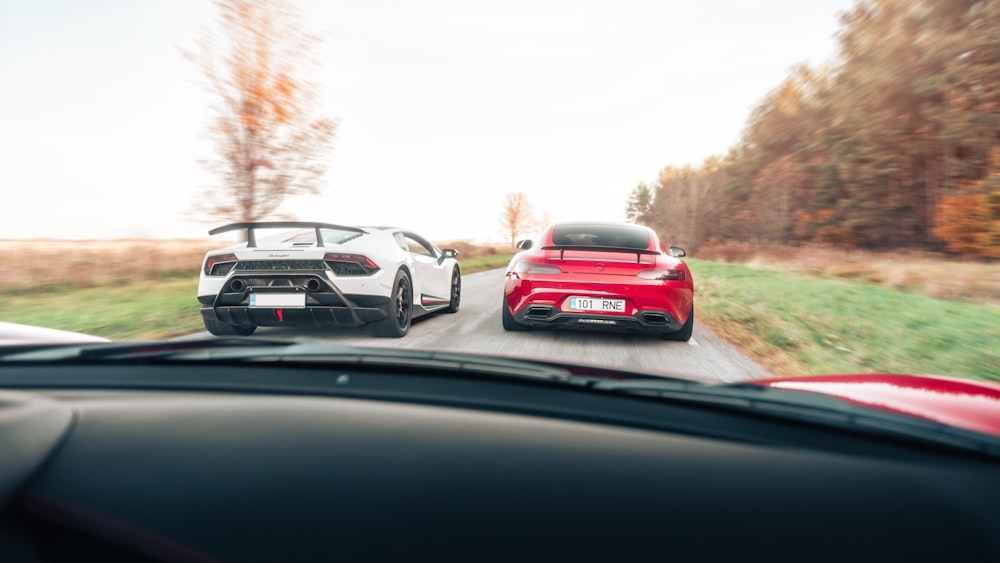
(790, 188)
(328, 235)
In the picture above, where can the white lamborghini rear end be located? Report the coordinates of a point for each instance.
(319, 274)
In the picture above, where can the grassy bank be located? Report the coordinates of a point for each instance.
(911, 271)
(161, 309)
(485, 262)
(797, 323)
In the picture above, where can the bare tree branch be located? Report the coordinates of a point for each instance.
(270, 144)
(517, 216)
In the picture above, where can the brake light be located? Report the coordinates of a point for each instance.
(522, 268)
(220, 264)
(350, 264)
(663, 275)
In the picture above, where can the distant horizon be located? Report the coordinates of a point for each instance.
(208, 239)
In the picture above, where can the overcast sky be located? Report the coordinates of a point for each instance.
(444, 106)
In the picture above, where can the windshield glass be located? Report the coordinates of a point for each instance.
(329, 236)
(793, 188)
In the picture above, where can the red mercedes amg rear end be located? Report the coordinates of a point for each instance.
(614, 276)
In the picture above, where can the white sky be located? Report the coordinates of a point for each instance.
(444, 105)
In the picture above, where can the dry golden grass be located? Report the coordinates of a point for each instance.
(35, 264)
(919, 272)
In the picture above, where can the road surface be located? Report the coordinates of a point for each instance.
(476, 328)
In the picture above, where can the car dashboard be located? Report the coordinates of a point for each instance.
(267, 462)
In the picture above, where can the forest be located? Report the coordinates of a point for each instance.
(892, 144)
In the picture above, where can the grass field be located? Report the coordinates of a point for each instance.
(800, 323)
(809, 311)
(117, 311)
(35, 264)
(910, 271)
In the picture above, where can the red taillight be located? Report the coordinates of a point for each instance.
(220, 265)
(350, 264)
(525, 268)
(663, 275)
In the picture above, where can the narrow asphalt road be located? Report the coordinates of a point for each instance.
(476, 328)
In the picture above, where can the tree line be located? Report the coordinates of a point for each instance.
(894, 143)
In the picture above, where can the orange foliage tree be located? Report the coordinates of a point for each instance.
(968, 221)
(269, 141)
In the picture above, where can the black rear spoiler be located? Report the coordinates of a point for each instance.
(562, 248)
(251, 227)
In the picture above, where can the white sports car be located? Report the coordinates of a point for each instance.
(319, 274)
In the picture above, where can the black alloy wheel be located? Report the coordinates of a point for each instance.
(456, 292)
(508, 319)
(684, 334)
(399, 311)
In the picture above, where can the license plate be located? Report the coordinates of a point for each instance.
(596, 304)
(277, 299)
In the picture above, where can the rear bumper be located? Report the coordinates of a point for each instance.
(650, 306)
(322, 309)
(308, 316)
(325, 304)
(646, 321)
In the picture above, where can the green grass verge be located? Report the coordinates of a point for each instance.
(144, 310)
(802, 324)
(120, 312)
(485, 262)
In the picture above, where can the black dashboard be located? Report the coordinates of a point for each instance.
(266, 463)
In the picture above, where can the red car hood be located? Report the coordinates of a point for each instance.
(963, 403)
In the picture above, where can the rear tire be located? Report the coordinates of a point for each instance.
(219, 328)
(456, 291)
(399, 310)
(684, 334)
(508, 319)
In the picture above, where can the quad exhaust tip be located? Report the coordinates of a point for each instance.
(656, 319)
(538, 312)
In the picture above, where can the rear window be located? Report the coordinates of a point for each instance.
(617, 236)
(330, 236)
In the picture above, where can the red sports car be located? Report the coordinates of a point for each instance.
(613, 276)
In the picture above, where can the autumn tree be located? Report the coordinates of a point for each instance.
(688, 202)
(270, 142)
(517, 216)
(773, 200)
(968, 220)
(640, 200)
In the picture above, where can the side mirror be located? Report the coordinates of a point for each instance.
(677, 252)
(524, 244)
(450, 253)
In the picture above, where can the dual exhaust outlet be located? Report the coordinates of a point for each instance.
(239, 285)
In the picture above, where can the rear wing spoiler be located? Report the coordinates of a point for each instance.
(594, 248)
(251, 227)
